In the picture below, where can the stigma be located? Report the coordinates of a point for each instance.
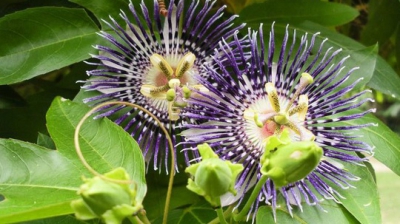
(170, 82)
(282, 112)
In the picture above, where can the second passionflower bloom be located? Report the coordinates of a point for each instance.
(252, 100)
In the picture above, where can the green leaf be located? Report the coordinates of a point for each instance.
(383, 19)
(104, 144)
(335, 214)
(39, 183)
(384, 140)
(40, 40)
(363, 200)
(197, 213)
(36, 182)
(45, 141)
(67, 219)
(103, 9)
(288, 11)
(384, 78)
(364, 59)
(155, 199)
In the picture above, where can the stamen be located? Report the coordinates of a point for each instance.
(159, 89)
(185, 64)
(161, 64)
(153, 91)
(301, 108)
(273, 96)
(305, 80)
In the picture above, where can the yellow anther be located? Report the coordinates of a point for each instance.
(161, 64)
(185, 64)
(292, 127)
(273, 96)
(303, 102)
(306, 78)
(152, 91)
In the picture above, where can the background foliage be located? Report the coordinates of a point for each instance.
(44, 44)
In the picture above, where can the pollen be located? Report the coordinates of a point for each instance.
(281, 113)
(169, 80)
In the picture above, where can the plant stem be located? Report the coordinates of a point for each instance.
(221, 216)
(142, 216)
(227, 213)
(135, 220)
(252, 198)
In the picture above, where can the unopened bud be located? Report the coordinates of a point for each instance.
(213, 176)
(107, 200)
(286, 162)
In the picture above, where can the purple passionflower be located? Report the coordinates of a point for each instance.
(253, 99)
(152, 63)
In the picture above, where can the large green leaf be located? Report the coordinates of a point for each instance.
(363, 200)
(104, 144)
(38, 183)
(384, 78)
(383, 19)
(335, 214)
(40, 40)
(288, 11)
(384, 140)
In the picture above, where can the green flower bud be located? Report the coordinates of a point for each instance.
(107, 200)
(286, 162)
(213, 176)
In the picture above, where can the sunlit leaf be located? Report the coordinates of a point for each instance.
(363, 200)
(39, 183)
(335, 214)
(36, 182)
(384, 140)
(287, 11)
(40, 40)
(104, 144)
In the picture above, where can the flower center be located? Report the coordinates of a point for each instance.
(281, 116)
(171, 83)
